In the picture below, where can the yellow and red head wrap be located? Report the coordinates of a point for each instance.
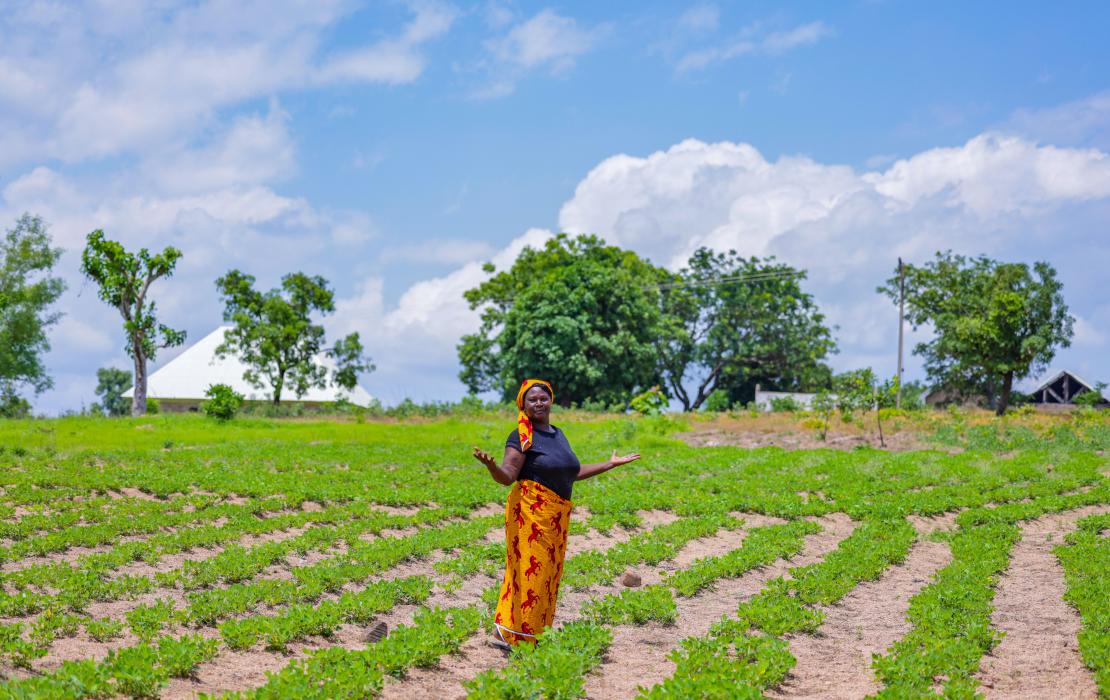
(523, 423)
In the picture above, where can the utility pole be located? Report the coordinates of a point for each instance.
(901, 323)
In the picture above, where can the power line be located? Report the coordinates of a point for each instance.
(735, 279)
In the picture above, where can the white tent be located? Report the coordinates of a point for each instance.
(187, 376)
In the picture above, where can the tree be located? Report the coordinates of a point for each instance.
(734, 322)
(578, 312)
(110, 385)
(274, 336)
(860, 390)
(27, 290)
(124, 279)
(994, 322)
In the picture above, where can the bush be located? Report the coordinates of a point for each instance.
(153, 406)
(785, 404)
(717, 402)
(223, 402)
(1090, 399)
(650, 403)
(12, 405)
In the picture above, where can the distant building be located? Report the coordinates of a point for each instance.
(181, 383)
(763, 398)
(1061, 388)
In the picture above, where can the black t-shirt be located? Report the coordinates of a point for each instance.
(549, 461)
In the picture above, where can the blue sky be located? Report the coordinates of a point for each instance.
(395, 146)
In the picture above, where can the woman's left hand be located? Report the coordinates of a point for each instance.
(616, 460)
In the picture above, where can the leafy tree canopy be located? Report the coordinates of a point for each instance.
(274, 335)
(734, 322)
(27, 290)
(994, 322)
(110, 384)
(578, 312)
(124, 281)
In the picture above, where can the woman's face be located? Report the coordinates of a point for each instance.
(537, 404)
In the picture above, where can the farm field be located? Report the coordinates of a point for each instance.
(172, 556)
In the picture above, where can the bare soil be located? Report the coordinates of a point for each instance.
(1039, 656)
(638, 654)
(786, 431)
(836, 662)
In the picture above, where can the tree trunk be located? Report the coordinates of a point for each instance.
(277, 388)
(138, 398)
(1007, 386)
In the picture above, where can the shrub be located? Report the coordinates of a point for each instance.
(717, 402)
(785, 404)
(650, 403)
(223, 402)
(153, 406)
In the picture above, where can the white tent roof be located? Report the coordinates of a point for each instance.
(189, 375)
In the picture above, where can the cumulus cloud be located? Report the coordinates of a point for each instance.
(999, 195)
(413, 342)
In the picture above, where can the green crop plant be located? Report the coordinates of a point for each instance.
(1085, 557)
(633, 607)
(552, 668)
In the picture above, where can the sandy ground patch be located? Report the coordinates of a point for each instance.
(836, 662)
(638, 655)
(1039, 656)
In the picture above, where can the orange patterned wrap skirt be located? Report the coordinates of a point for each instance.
(536, 523)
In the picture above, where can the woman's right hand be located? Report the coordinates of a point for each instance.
(485, 459)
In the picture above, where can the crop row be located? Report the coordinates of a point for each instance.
(310, 582)
(554, 667)
(658, 544)
(138, 671)
(75, 586)
(747, 651)
(1086, 561)
(950, 618)
(123, 525)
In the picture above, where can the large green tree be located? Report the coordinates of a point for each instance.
(734, 322)
(993, 322)
(275, 337)
(110, 385)
(27, 290)
(578, 312)
(124, 280)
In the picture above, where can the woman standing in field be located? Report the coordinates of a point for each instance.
(542, 467)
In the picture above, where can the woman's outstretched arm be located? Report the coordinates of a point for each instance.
(506, 472)
(589, 470)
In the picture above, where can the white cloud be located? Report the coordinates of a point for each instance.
(1083, 122)
(752, 41)
(254, 149)
(130, 76)
(702, 18)
(999, 195)
(419, 333)
(1087, 334)
(547, 40)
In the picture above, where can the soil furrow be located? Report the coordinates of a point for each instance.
(836, 662)
(476, 656)
(638, 654)
(1039, 656)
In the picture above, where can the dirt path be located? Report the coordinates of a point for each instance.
(836, 662)
(1039, 656)
(638, 655)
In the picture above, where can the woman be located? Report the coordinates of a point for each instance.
(542, 467)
